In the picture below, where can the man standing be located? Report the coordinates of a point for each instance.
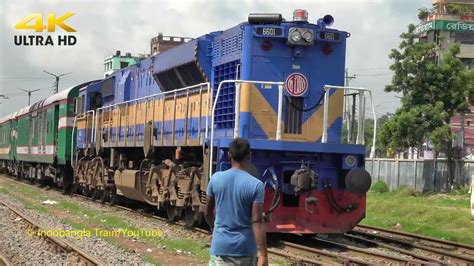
(238, 225)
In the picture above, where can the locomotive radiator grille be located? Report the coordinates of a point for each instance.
(293, 115)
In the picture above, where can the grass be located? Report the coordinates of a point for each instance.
(151, 260)
(445, 216)
(86, 217)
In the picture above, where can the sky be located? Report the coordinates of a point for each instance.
(127, 25)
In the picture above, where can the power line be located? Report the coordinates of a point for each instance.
(372, 68)
(375, 75)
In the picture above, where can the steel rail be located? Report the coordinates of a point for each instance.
(300, 260)
(62, 243)
(415, 236)
(447, 249)
(401, 250)
(365, 252)
(327, 254)
(4, 260)
(317, 252)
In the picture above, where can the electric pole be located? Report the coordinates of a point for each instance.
(29, 94)
(56, 83)
(348, 78)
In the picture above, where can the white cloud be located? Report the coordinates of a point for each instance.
(105, 26)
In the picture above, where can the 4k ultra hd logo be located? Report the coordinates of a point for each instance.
(52, 23)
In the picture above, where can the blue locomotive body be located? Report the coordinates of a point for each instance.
(161, 127)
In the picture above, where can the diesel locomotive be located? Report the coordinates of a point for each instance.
(155, 131)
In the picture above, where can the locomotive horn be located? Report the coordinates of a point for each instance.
(326, 21)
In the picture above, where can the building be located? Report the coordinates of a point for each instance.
(451, 21)
(160, 43)
(117, 61)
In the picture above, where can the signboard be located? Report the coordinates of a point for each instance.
(446, 25)
(296, 84)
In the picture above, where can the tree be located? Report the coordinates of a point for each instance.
(423, 13)
(434, 90)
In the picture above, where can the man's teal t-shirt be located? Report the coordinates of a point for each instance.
(234, 192)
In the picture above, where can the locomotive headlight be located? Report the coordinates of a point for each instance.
(300, 36)
(350, 161)
(308, 36)
(295, 36)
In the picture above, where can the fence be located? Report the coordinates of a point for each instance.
(423, 175)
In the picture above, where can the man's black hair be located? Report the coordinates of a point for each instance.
(239, 149)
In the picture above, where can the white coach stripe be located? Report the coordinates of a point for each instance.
(66, 121)
(5, 150)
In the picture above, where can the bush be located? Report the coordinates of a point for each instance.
(379, 187)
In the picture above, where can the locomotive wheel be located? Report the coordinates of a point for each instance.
(95, 194)
(105, 195)
(75, 188)
(189, 217)
(65, 190)
(113, 198)
(172, 212)
(86, 191)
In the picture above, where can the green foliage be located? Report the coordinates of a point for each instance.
(462, 190)
(405, 191)
(411, 127)
(441, 215)
(379, 187)
(458, 9)
(433, 92)
(423, 13)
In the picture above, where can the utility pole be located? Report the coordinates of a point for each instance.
(348, 78)
(29, 94)
(346, 112)
(56, 83)
(462, 132)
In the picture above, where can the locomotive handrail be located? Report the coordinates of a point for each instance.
(200, 85)
(360, 135)
(237, 110)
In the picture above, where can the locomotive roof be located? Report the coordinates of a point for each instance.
(62, 95)
(6, 118)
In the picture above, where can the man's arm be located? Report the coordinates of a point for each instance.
(258, 226)
(209, 212)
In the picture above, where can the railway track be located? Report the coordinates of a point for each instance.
(4, 261)
(62, 244)
(364, 245)
(421, 247)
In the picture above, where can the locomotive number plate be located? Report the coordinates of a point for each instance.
(269, 31)
(329, 36)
